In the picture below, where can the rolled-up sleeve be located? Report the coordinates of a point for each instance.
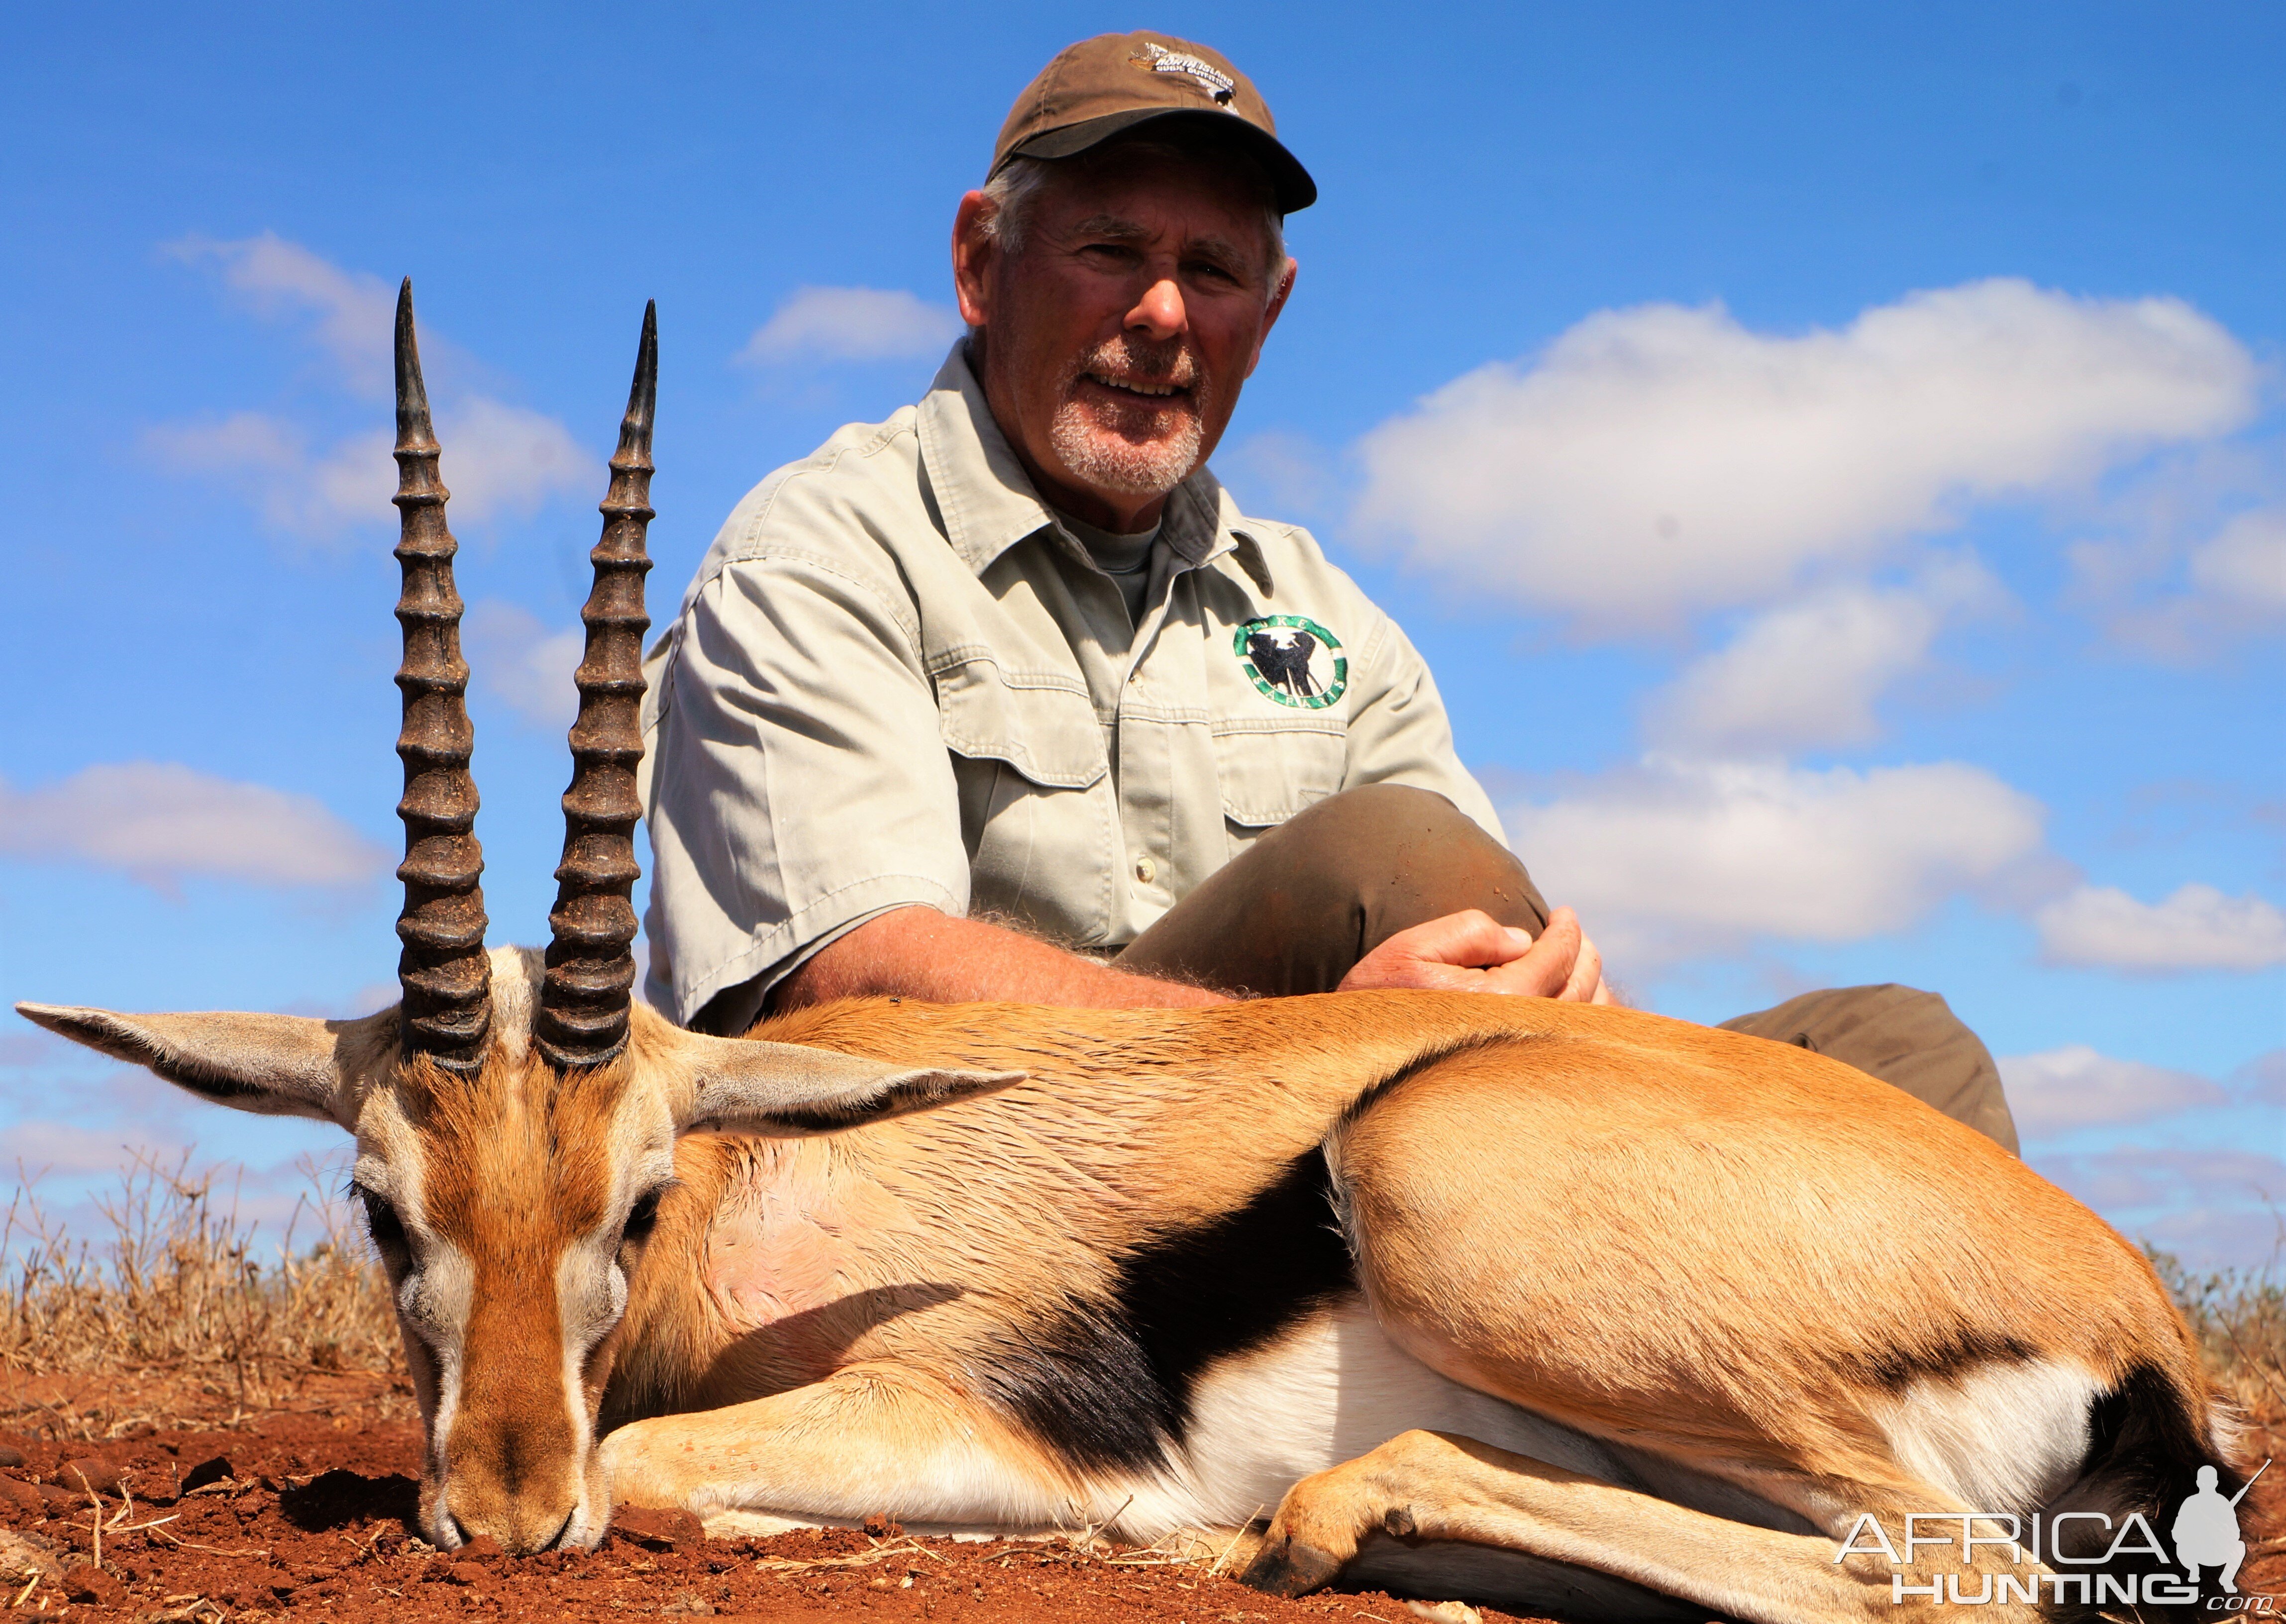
(1399, 732)
(797, 779)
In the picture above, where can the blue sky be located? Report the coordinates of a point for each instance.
(1833, 458)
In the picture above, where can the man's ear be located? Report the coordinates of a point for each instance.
(972, 256)
(785, 1091)
(274, 1065)
(1276, 308)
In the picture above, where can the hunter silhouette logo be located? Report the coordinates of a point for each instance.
(1293, 661)
(1158, 59)
(2206, 1530)
(2044, 1556)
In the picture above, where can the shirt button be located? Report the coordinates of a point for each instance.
(1145, 870)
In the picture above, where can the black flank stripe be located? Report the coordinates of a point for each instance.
(1108, 1383)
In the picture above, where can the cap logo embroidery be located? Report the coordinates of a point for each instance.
(1293, 661)
(1212, 80)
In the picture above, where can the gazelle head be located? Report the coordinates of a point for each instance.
(516, 1115)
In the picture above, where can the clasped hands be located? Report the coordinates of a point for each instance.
(1472, 951)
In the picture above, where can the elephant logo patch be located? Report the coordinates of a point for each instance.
(1293, 661)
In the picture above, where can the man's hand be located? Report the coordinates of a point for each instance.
(1473, 952)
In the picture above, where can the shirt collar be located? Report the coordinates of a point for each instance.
(988, 505)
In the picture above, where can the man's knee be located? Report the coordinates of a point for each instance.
(1409, 855)
(1905, 1037)
(1376, 813)
(1311, 897)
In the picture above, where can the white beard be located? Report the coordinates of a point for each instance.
(1159, 445)
(1108, 460)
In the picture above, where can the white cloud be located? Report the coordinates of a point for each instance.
(504, 459)
(499, 459)
(2075, 1087)
(1660, 460)
(2264, 1078)
(1674, 857)
(522, 664)
(852, 324)
(2184, 605)
(2244, 565)
(355, 313)
(65, 1150)
(311, 494)
(2196, 928)
(161, 822)
(2207, 1204)
(1808, 674)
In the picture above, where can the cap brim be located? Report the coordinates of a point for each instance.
(1289, 180)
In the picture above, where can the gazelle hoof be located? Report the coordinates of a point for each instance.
(1285, 1568)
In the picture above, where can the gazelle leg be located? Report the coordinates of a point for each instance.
(858, 1444)
(1435, 1485)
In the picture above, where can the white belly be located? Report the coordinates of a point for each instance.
(1333, 1388)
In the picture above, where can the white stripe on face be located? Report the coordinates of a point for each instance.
(432, 1296)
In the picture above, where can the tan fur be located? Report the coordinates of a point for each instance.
(517, 1167)
(1734, 1261)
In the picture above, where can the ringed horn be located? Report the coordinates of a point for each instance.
(591, 967)
(447, 981)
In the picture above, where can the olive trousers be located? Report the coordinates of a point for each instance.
(1305, 902)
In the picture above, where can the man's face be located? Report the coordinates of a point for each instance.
(1116, 342)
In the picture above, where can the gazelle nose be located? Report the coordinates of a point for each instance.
(519, 1529)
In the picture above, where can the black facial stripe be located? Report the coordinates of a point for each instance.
(1108, 1383)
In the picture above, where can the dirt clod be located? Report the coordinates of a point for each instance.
(89, 1583)
(656, 1531)
(99, 1472)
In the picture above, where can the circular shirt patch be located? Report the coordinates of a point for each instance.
(1293, 661)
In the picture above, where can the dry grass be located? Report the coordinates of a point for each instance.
(2239, 1316)
(181, 1285)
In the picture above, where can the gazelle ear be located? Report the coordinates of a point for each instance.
(275, 1065)
(786, 1090)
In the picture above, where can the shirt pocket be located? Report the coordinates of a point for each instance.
(1036, 811)
(1047, 733)
(1269, 773)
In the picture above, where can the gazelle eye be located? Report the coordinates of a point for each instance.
(383, 1224)
(642, 1217)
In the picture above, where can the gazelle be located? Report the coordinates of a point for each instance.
(1559, 1306)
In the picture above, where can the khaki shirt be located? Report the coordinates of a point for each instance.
(897, 680)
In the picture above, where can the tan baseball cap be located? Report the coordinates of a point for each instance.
(1105, 86)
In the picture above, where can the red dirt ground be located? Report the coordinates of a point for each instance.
(305, 1513)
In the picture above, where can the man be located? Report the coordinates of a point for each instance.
(1005, 698)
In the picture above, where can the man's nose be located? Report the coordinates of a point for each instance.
(1160, 311)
